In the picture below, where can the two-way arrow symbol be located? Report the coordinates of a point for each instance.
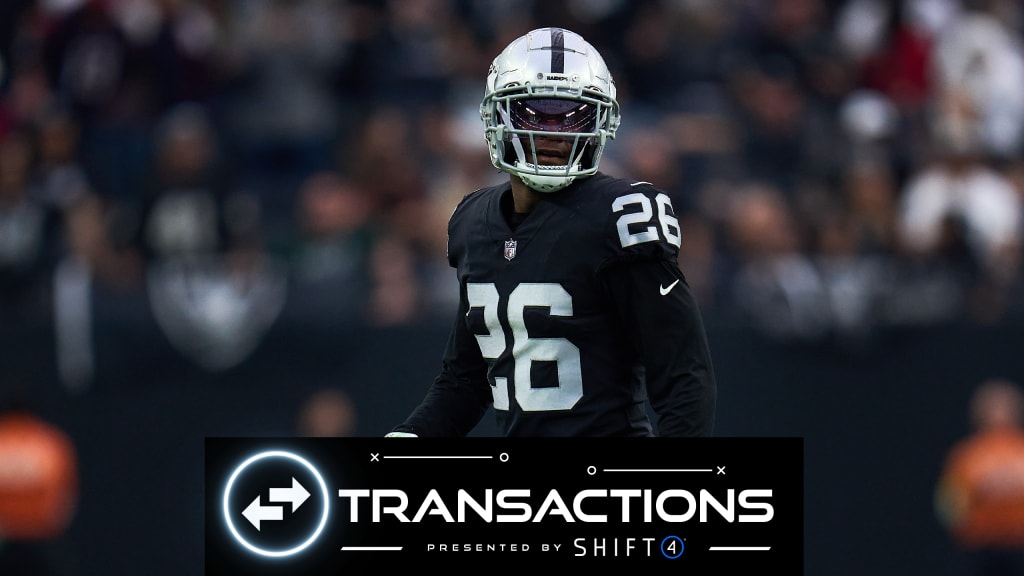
(256, 513)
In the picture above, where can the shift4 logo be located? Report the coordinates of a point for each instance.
(276, 503)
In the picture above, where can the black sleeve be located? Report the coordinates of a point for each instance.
(460, 395)
(663, 321)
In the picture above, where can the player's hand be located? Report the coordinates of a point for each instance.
(400, 435)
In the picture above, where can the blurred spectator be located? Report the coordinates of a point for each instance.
(29, 231)
(851, 278)
(704, 137)
(803, 29)
(653, 50)
(53, 234)
(101, 59)
(11, 13)
(213, 286)
(452, 150)
(892, 44)
(875, 131)
(191, 207)
(185, 38)
(980, 495)
(979, 58)
(61, 181)
(39, 492)
(785, 136)
(776, 287)
(328, 248)
(327, 413)
(38, 478)
(700, 261)
(958, 208)
(28, 95)
(384, 164)
(417, 52)
(280, 61)
(892, 49)
(396, 294)
(429, 219)
(871, 202)
(651, 156)
(59, 176)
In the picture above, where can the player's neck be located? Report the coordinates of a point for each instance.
(524, 198)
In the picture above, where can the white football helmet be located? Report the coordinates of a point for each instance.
(549, 81)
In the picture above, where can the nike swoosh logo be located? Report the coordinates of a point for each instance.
(666, 289)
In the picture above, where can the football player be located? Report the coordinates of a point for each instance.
(573, 311)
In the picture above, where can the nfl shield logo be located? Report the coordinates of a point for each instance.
(510, 249)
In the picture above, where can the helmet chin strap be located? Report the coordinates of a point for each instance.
(542, 182)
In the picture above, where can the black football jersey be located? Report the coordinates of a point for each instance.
(567, 321)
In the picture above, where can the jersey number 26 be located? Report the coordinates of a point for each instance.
(526, 350)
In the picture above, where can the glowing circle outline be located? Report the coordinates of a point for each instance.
(227, 498)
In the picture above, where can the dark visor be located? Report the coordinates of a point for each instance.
(554, 115)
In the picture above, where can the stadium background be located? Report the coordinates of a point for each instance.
(226, 217)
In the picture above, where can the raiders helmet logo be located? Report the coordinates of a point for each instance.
(510, 249)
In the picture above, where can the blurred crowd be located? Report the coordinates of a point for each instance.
(838, 165)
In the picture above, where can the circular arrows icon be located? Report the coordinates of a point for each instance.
(256, 513)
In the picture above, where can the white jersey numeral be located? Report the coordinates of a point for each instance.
(492, 344)
(527, 350)
(667, 221)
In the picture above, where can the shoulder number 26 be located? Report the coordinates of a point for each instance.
(666, 219)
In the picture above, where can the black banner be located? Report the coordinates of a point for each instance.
(323, 506)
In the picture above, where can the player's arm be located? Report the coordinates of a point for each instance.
(663, 321)
(460, 394)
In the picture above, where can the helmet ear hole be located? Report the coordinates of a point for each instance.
(509, 154)
(588, 155)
